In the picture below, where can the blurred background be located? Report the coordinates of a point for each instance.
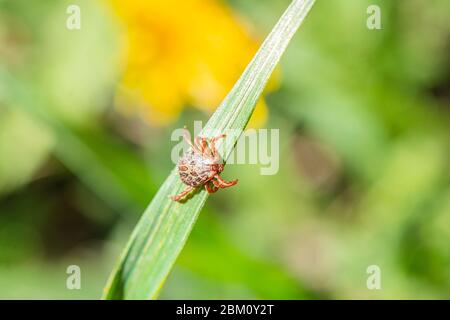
(85, 122)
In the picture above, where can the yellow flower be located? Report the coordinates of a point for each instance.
(182, 53)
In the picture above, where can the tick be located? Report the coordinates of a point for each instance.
(201, 166)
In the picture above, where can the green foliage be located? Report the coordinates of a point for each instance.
(163, 229)
(364, 148)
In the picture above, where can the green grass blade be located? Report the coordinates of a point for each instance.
(165, 225)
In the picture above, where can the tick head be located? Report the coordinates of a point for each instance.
(217, 167)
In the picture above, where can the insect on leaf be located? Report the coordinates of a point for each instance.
(165, 225)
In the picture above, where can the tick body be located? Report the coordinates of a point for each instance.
(201, 166)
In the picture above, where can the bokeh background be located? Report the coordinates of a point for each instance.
(85, 123)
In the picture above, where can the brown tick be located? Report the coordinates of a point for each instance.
(201, 166)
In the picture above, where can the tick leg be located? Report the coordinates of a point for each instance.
(181, 195)
(203, 146)
(218, 138)
(216, 183)
(212, 143)
(211, 189)
(197, 145)
(200, 144)
(222, 183)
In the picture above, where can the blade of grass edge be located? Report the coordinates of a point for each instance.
(162, 231)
